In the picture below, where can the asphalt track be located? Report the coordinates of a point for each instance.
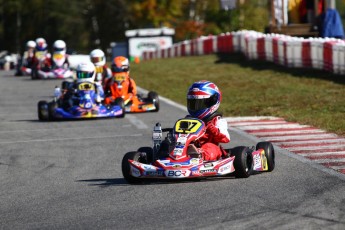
(67, 175)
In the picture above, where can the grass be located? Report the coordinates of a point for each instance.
(252, 88)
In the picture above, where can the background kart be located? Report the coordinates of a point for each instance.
(85, 108)
(57, 73)
(139, 104)
(179, 158)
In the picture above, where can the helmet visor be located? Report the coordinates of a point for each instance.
(200, 104)
(196, 104)
(58, 49)
(84, 75)
(96, 59)
(116, 69)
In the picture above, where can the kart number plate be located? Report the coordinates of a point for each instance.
(178, 152)
(119, 77)
(39, 54)
(86, 86)
(193, 126)
(57, 56)
(156, 136)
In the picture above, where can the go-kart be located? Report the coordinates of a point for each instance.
(180, 159)
(82, 106)
(59, 71)
(139, 104)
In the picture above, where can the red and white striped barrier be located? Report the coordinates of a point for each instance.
(318, 53)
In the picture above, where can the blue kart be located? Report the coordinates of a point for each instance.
(79, 105)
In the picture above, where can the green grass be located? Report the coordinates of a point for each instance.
(252, 88)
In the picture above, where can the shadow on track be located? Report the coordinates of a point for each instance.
(106, 182)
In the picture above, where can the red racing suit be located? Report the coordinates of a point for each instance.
(216, 133)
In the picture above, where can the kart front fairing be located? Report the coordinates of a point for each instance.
(87, 106)
(139, 104)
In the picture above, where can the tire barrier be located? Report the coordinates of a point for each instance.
(326, 54)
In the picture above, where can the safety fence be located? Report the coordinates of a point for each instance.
(318, 53)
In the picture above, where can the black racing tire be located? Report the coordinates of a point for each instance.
(34, 74)
(51, 110)
(149, 153)
(269, 153)
(126, 168)
(65, 85)
(153, 96)
(243, 162)
(120, 102)
(42, 111)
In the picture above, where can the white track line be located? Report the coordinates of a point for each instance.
(322, 154)
(316, 147)
(68, 139)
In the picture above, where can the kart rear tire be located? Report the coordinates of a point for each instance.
(42, 111)
(51, 110)
(149, 153)
(126, 168)
(120, 102)
(243, 162)
(153, 96)
(269, 153)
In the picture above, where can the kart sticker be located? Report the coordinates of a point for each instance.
(182, 140)
(86, 86)
(148, 107)
(135, 172)
(187, 126)
(178, 151)
(177, 173)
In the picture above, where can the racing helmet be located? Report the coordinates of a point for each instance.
(59, 46)
(97, 57)
(203, 99)
(85, 72)
(120, 64)
(31, 44)
(41, 44)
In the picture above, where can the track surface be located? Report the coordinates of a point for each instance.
(67, 175)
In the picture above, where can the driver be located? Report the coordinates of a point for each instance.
(103, 72)
(121, 84)
(203, 100)
(60, 58)
(85, 73)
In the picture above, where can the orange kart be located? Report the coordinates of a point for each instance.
(139, 104)
(124, 87)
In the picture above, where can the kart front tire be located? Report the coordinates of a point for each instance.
(42, 111)
(153, 96)
(269, 153)
(126, 168)
(243, 162)
(120, 102)
(51, 110)
(34, 74)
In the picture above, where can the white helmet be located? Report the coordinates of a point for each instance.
(41, 44)
(59, 46)
(85, 72)
(97, 57)
(31, 44)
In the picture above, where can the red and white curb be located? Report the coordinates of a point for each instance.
(317, 145)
